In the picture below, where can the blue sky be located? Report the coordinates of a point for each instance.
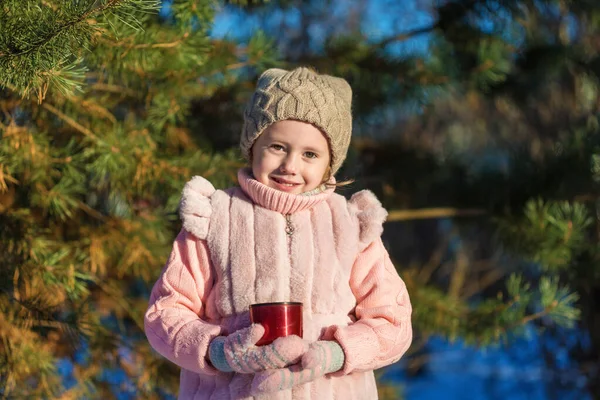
(408, 15)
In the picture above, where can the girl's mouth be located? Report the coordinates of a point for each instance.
(284, 184)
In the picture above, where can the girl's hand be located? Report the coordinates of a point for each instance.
(238, 352)
(323, 357)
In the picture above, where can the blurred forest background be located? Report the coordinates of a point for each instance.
(476, 123)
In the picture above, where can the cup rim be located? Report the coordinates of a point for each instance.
(274, 303)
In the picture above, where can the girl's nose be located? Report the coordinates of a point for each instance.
(288, 165)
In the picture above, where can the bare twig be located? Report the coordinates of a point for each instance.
(487, 280)
(459, 273)
(425, 213)
(425, 273)
(406, 35)
(70, 121)
(229, 67)
(160, 45)
(105, 87)
(90, 211)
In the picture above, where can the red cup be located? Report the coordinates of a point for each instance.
(279, 319)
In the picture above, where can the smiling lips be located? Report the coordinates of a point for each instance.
(284, 183)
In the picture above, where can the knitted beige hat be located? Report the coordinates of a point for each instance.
(302, 95)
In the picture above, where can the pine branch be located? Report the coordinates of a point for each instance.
(5, 177)
(62, 28)
(45, 51)
(71, 122)
(114, 293)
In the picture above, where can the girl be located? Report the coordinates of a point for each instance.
(283, 235)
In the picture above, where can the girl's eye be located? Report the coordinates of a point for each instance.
(310, 154)
(277, 147)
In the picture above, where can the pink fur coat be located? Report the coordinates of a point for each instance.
(233, 251)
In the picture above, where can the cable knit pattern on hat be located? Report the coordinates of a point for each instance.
(303, 95)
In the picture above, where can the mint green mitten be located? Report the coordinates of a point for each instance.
(323, 357)
(238, 352)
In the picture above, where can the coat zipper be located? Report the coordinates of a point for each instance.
(289, 231)
(289, 226)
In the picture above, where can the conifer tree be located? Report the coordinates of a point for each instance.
(95, 146)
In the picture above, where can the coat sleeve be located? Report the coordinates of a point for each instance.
(174, 322)
(383, 331)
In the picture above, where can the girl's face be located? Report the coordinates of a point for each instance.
(291, 156)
